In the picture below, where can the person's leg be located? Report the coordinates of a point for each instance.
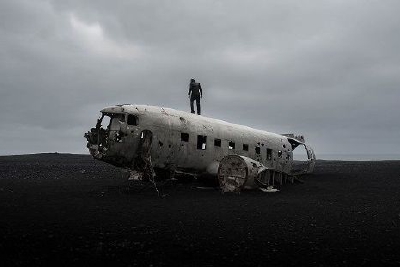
(198, 105)
(191, 104)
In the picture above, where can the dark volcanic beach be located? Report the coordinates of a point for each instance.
(65, 210)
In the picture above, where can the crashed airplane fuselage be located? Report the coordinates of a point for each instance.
(149, 139)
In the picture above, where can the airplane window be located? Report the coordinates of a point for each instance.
(217, 142)
(269, 154)
(201, 142)
(114, 122)
(245, 147)
(258, 150)
(132, 120)
(106, 121)
(185, 137)
(231, 145)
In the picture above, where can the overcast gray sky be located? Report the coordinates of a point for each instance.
(327, 69)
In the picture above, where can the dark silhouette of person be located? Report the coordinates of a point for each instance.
(195, 93)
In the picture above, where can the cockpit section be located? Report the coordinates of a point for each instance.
(113, 134)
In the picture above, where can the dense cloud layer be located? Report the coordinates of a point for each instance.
(326, 69)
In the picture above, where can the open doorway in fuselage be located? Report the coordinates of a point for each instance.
(145, 142)
(142, 162)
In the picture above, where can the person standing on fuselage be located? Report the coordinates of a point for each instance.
(195, 93)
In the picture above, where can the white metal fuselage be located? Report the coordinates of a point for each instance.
(187, 142)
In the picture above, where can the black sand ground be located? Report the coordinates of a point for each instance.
(67, 210)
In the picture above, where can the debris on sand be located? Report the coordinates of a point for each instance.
(269, 189)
